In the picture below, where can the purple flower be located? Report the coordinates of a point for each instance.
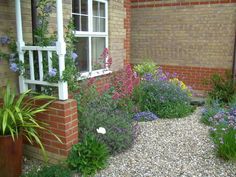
(52, 72)
(174, 75)
(212, 129)
(48, 8)
(74, 56)
(233, 112)
(148, 77)
(4, 40)
(14, 67)
(203, 110)
(135, 75)
(147, 116)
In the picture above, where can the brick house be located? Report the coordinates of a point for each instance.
(194, 38)
(99, 24)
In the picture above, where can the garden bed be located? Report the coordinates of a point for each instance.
(167, 147)
(171, 147)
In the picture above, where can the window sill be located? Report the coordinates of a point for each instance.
(92, 74)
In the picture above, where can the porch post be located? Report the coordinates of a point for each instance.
(61, 51)
(20, 43)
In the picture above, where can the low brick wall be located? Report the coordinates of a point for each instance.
(194, 76)
(62, 120)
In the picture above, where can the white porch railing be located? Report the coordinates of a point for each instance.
(39, 51)
(60, 49)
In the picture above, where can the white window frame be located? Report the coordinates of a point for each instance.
(89, 34)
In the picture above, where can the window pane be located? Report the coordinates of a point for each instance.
(95, 24)
(95, 8)
(84, 23)
(82, 48)
(77, 22)
(98, 45)
(84, 6)
(102, 9)
(102, 25)
(75, 6)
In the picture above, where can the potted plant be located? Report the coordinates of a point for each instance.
(17, 120)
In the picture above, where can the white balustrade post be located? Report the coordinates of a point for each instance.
(20, 43)
(61, 51)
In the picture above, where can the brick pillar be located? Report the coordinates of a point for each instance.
(62, 119)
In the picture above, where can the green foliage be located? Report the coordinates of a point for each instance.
(17, 115)
(223, 88)
(224, 138)
(146, 67)
(50, 171)
(222, 119)
(41, 34)
(209, 111)
(103, 111)
(163, 98)
(84, 96)
(88, 156)
(71, 72)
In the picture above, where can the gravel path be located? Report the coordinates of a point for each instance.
(177, 147)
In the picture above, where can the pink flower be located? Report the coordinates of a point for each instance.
(116, 96)
(107, 87)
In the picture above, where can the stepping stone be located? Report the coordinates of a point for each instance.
(198, 101)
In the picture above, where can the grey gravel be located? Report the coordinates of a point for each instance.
(171, 147)
(30, 163)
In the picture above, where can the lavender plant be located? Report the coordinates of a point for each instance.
(145, 116)
(103, 111)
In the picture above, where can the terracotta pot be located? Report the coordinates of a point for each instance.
(10, 156)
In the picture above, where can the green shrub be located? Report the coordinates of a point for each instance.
(50, 171)
(88, 156)
(223, 88)
(86, 94)
(164, 99)
(224, 138)
(105, 112)
(146, 67)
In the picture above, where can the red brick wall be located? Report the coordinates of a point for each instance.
(194, 76)
(163, 3)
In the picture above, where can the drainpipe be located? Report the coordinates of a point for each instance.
(33, 18)
(234, 60)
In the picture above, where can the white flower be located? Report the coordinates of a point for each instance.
(101, 130)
